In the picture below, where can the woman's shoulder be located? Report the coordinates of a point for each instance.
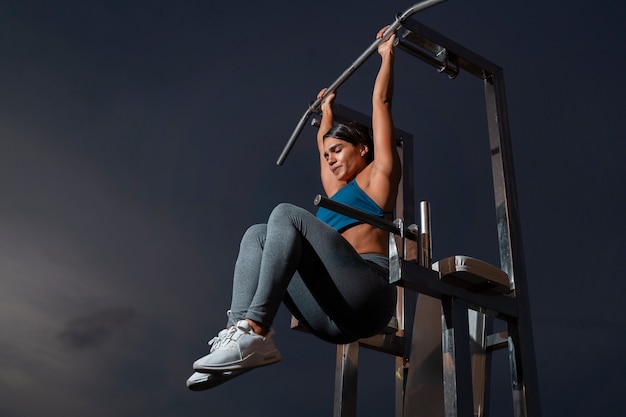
(382, 189)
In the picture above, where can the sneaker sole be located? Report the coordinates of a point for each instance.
(249, 362)
(204, 381)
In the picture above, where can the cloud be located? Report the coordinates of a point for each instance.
(78, 253)
(94, 329)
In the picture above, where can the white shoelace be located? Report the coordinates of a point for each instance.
(225, 335)
(215, 342)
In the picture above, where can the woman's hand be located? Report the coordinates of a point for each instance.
(385, 47)
(328, 100)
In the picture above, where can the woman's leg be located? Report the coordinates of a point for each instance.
(335, 288)
(335, 291)
(247, 269)
(239, 347)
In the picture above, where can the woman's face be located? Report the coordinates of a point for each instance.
(345, 160)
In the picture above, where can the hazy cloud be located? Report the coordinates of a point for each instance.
(94, 329)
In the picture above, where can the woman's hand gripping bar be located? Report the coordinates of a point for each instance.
(314, 107)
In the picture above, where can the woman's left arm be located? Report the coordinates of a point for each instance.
(386, 168)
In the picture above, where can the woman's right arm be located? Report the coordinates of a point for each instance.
(329, 182)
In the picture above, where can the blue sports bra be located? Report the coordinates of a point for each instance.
(351, 195)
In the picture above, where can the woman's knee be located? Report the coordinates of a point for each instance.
(285, 213)
(255, 233)
(286, 209)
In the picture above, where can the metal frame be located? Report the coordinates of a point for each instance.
(520, 335)
(443, 310)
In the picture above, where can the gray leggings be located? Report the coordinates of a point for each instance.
(337, 294)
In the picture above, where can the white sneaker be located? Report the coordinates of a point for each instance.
(240, 348)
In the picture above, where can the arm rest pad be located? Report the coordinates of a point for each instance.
(472, 274)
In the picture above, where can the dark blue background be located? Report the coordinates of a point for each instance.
(138, 140)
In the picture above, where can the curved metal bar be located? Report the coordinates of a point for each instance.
(350, 70)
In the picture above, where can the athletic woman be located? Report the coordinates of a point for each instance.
(331, 271)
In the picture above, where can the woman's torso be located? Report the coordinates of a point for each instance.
(364, 237)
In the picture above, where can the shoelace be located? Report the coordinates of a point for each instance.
(219, 340)
(215, 342)
(230, 336)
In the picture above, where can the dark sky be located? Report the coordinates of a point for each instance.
(138, 141)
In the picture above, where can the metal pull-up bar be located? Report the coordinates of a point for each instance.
(350, 70)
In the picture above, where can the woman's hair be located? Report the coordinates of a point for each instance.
(355, 134)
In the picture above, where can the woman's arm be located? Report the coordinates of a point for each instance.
(329, 182)
(386, 160)
(386, 168)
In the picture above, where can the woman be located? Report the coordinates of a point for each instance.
(330, 271)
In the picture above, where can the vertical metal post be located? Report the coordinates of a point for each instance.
(525, 380)
(401, 361)
(426, 240)
(424, 389)
(405, 308)
(520, 399)
(478, 325)
(346, 377)
(457, 373)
